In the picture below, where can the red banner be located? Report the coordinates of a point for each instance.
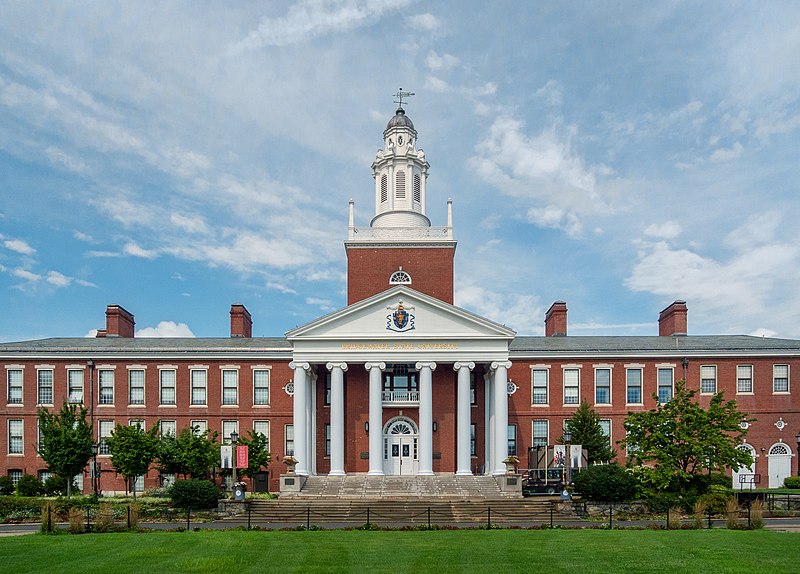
(242, 460)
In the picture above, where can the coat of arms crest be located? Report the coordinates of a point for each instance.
(401, 319)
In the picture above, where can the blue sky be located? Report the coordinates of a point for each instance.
(177, 157)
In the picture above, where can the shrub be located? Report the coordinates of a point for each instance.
(792, 482)
(715, 502)
(29, 485)
(55, 486)
(606, 483)
(104, 521)
(756, 514)
(699, 513)
(6, 485)
(194, 494)
(75, 517)
(732, 513)
(674, 517)
(19, 506)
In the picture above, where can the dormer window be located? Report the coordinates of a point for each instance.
(400, 277)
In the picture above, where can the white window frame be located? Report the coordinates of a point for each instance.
(659, 385)
(598, 368)
(197, 387)
(201, 424)
(256, 388)
(262, 427)
(776, 378)
(105, 382)
(288, 439)
(12, 400)
(16, 436)
(162, 371)
(132, 388)
(706, 372)
(168, 427)
(607, 423)
(42, 386)
(542, 370)
(747, 389)
(225, 384)
(577, 385)
(75, 392)
(640, 386)
(104, 429)
(227, 428)
(547, 432)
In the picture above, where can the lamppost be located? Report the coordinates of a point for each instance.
(234, 440)
(567, 461)
(95, 478)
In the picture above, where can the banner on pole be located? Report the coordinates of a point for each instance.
(225, 456)
(242, 456)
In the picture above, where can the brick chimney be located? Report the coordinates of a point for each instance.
(555, 320)
(672, 320)
(119, 323)
(241, 322)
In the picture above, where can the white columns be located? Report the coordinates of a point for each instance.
(500, 383)
(488, 466)
(425, 418)
(463, 402)
(300, 416)
(375, 417)
(337, 417)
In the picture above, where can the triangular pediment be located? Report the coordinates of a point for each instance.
(399, 314)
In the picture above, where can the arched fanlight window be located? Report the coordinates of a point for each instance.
(400, 277)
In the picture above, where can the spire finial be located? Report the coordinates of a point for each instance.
(400, 95)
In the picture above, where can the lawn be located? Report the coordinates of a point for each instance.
(550, 551)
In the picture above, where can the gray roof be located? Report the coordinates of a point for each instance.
(149, 345)
(673, 345)
(400, 119)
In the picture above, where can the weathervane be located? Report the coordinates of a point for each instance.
(400, 95)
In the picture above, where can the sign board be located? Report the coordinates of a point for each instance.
(226, 456)
(242, 458)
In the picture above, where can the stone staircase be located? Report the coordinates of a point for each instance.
(439, 487)
(354, 512)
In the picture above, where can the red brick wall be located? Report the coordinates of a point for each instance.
(369, 269)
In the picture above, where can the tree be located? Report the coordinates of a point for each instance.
(258, 454)
(188, 453)
(133, 450)
(586, 430)
(66, 441)
(606, 483)
(682, 440)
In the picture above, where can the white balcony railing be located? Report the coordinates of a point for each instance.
(401, 397)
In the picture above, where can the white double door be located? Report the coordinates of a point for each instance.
(401, 442)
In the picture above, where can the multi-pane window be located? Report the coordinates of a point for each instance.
(262, 428)
(744, 379)
(633, 386)
(512, 440)
(572, 379)
(104, 429)
(167, 386)
(665, 385)
(75, 385)
(168, 428)
(539, 392)
(473, 447)
(16, 439)
(199, 427)
(15, 475)
(136, 387)
(540, 434)
(105, 385)
(44, 385)
(328, 389)
(708, 379)
(288, 439)
(199, 380)
(14, 386)
(602, 386)
(780, 378)
(605, 426)
(261, 387)
(136, 423)
(327, 439)
(473, 396)
(230, 387)
(227, 429)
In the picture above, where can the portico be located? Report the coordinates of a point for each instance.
(422, 376)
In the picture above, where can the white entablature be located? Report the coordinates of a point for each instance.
(426, 329)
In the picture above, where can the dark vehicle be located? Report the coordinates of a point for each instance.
(543, 481)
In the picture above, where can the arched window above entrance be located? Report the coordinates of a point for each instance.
(400, 277)
(780, 448)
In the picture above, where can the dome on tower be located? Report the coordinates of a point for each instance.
(400, 119)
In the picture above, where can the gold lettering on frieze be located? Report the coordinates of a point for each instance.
(399, 346)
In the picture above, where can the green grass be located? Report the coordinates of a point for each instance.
(549, 551)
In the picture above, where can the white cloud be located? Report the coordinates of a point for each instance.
(426, 21)
(666, 230)
(25, 274)
(512, 310)
(280, 287)
(763, 332)
(556, 218)
(166, 329)
(135, 250)
(58, 279)
(81, 236)
(191, 223)
(727, 154)
(436, 85)
(442, 62)
(551, 93)
(310, 19)
(19, 246)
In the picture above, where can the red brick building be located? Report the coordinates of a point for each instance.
(400, 381)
